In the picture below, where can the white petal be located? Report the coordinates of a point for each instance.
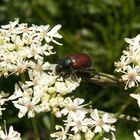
(22, 112)
(31, 114)
(95, 115)
(78, 101)
(75, 129)
(2, 135)
(125, 77)
(106, 127)
(128, 40)
(54, 30)
(131, 84)
(97, 129)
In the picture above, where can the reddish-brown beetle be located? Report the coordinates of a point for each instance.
(75, 63)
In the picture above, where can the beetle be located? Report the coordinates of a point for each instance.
(79, 64)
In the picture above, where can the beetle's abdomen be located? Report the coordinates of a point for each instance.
(80, 61)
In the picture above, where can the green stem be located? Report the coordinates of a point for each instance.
(98, 136)
(35, 129)
(123, 107)
(51, 122)
(107, 78)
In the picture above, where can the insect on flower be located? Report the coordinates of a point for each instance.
(75, 64)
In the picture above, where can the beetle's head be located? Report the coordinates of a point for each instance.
(63, 65)
(58, 68)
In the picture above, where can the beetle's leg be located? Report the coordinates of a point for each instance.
(64, 75)
(87, 73)
(91, 69)
(75, 76)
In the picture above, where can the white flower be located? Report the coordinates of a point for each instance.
(21, 90)
(59, 135)
(129, 64)
(131, 76)
(43, 107)
(66, 86)
(53, 33)
(132, 55)
(12, 135)
(36, 51)
(102, 123)
(20, 66)
(72, 106)
(78, 122)
(75, 137)
(41, 79)
(137, 97)
(121, 65)
(56, 101)
(22, 46)
(89, 135)
(11, 25)
(137, 135)
(27, 105)
(134, 42)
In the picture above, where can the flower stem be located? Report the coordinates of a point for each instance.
(123, 107)
(51, 122)
(99, 136)
(106, 78)
(35, 129)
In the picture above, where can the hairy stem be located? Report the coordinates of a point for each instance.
(104, 78)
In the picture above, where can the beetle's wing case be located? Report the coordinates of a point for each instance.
(80, 61)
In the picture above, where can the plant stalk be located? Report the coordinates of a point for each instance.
(35, 129)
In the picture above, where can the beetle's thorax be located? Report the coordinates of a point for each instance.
(64, 65)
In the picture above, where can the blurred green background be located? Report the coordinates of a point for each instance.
(95, 27)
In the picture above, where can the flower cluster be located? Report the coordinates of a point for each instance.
(23, 50)
(42, 94)
(24, 47)
(82, 120)
(129, 64)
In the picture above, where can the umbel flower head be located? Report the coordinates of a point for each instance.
(129, 64)
(20, 45)
(22, 52)
(84, 122)
(23, 49)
